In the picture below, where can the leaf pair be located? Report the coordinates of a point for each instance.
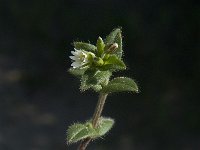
(79, 131)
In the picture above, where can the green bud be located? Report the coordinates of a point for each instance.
(98, 61)
(100, 47)
(90, 57)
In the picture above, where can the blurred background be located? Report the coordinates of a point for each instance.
(39, 99)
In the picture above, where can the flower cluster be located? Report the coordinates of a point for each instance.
(82, 58)
(103, 57)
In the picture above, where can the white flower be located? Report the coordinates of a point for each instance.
(80, 58)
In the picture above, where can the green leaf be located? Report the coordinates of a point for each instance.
(79, 132)
(78, 71)
(88, 80)
(115, 37)
(100, 47)
(103, 77)
(104, 125)
(120, 84)
(110, 39)
(113, 63)
(94, 79)
(84, 46)
(113, 59)
(118, 40)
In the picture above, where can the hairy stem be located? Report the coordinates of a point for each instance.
(99, 108)
(95, 119)
(84, 144)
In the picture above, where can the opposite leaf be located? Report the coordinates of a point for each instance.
(94, 79)
(79, 132)
(120, 84)
(105, 124)
(84, 46)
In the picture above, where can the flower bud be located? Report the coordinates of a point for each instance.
(98, 61)
(112, 48)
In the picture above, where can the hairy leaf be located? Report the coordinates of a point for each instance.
(113, 63)
(118, 40)
(79, 132)
(94, 79)
(105, 124)
(84, 46)
(78, 71)
(120, 84)
(113, 59)
(110, 39)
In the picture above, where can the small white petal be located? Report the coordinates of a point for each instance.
(76, 64)
(75, 53)
(73, 57)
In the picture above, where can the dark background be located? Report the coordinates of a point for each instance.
(39, 99)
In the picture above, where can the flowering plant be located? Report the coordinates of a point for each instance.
(94, 65)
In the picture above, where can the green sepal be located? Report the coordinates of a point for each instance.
(120, 84)
(115, 37)
(79, 132)
(98, 61)
(100, 47)
(78, 72)
(84, 46)
(94, 79)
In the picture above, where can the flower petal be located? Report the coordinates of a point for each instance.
(76, 64)
(75, 53)
(73, 57)
(80, 57)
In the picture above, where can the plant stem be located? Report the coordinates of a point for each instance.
(84, 144)
(99, 109)
(95, 119)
